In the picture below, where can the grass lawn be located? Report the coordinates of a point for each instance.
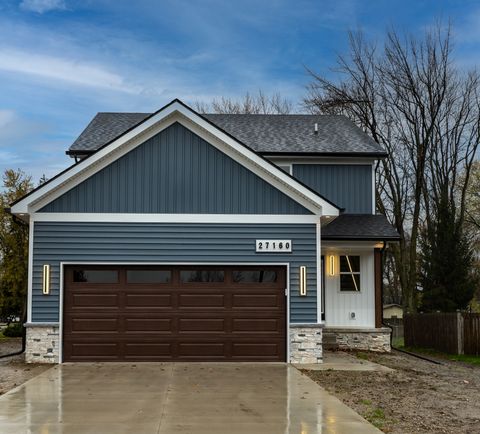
(472, 360)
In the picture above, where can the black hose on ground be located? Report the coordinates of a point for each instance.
(17, 353)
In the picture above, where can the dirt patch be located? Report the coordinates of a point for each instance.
(13, 370)
(419, 397)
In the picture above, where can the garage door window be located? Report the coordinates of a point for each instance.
(187, 276)
(149, 276)
(254, 276)
(95, 276)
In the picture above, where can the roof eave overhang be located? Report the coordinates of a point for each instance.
(354, 238)
(376, 155)
(139, 133)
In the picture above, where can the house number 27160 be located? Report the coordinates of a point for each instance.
(273, 246)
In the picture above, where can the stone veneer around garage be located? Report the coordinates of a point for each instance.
(42, 344)
(306, 343)
(366, 339)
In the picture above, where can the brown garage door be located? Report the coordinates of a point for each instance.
(139, 313)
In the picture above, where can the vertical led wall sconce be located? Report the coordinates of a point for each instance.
(331, 265)
(303, 280)
(46, 279)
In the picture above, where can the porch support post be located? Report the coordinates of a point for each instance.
(378, 288)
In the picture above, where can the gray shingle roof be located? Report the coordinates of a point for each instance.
(266, 134)
(359, 227)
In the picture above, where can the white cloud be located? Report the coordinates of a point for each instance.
(58, 68)
(8, 158)
(6, 117)
(41, 6)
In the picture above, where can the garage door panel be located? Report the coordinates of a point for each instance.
(148, 325)
(175, 320)
(90, 300)
(201, 300)
(201, 325)
(201, 350)
(257, 325)
(95, 349)
(256, 300)
(142, 300)
(83, 325)
(256, 350)
(147, 350)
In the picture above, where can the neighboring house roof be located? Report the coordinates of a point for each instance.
(360, 227)
(265, 134)
(176, 111)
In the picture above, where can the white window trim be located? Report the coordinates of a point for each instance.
(348, 273)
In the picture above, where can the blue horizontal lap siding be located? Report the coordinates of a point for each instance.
(175, 172)
(349, 186)
(174, 243)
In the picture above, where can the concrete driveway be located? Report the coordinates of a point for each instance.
(175, 398)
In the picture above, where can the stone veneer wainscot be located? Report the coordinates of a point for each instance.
(366, 339)
(306, 343)
(42, 344)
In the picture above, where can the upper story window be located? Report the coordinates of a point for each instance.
(349, 273)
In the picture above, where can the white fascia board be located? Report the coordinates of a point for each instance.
(105, 156)
(292, 159)
(340, 245)
(175, 218)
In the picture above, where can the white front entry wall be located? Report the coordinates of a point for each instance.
(340, 305)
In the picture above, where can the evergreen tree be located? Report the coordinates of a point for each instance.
(447, 274)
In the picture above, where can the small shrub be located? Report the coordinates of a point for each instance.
(13, 330)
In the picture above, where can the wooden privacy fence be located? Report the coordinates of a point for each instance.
(471, 334)
(454, 333)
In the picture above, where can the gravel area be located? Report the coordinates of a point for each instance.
(13, 370)
(419, 397)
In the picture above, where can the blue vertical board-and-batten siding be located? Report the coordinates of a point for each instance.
(170, 243)
(348, 186)
(175, 171)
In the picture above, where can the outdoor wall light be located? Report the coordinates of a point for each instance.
(331, 265)
(46, 279)
(303, 280)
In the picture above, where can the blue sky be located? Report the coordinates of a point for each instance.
(61, 61)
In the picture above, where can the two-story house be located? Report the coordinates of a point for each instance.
(180, 236)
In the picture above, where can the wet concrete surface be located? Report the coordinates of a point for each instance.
(175, 398)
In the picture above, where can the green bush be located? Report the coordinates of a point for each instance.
(13, 330)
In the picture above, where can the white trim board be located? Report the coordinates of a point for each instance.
(278, 264)
(342, 161)
(174, 112)
(31, 232)
(175, 218)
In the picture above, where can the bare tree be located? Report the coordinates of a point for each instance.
(409, 97)
(259, 103)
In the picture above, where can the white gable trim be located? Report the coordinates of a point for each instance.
(175, 218)
(174, 112)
